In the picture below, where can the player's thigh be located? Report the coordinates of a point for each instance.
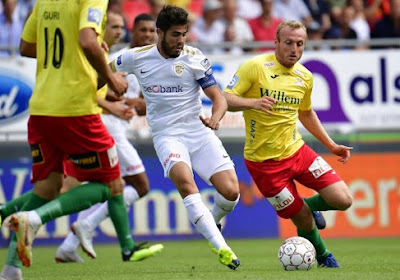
(337, 195)
(47, 160)
(170, 150)
(274, 181)
(130, 162)
(209, 157)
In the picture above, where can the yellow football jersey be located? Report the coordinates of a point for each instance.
(66, 83)
(272, 136)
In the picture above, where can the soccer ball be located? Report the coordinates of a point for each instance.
(297, 253)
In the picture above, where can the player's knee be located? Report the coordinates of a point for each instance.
(230, 189)
(140, 182)
(116, 186)
(142, 190)
(346, 202)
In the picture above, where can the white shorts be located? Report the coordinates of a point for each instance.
(129, 160)
(202, 151)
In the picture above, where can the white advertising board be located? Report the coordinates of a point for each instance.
(353, 90)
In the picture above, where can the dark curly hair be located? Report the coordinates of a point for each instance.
(171, 15)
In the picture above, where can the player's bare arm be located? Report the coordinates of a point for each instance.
(236, 103)
(311, 122)
(27, 49)
(219, 107)
(117, 108)
(95, 55)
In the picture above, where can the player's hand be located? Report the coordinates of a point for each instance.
(138, 103)
(210, 122)
(104, 46)
(265, 104)
(117, 83)
(121, 110)
(342, 151)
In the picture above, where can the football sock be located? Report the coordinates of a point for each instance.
(222, 206)
(89, 211)
(119, 217)
(15, 205)
(75, 200)
(203, 220)
(95, 218)
(101, 213)
(315, 238)
(130, 195)
(70, 243)
(32, 202)
(317, 203)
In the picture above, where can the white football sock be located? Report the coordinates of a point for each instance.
(34, 219)
(95, 218)
(222, 207)
(203, 220)
(70, 243)
(130, 195)
(85, 213)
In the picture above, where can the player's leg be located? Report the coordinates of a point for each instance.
(175, 159)
(317, 174)
(333, 197)
(274, 180)
(12, 268)
(214, 166)
(12, 206)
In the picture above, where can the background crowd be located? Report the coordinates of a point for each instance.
(215, 22)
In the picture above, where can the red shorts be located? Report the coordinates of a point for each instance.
(84, 140)
(275, 179)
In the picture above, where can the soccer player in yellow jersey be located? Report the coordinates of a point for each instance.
(274, 91)
(64, 122)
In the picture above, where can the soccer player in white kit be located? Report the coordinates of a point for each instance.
(171, 76)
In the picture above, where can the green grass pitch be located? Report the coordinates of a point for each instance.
(366, 259)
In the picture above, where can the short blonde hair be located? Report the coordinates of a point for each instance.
(293, 24)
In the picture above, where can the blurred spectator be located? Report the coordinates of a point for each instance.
(190, 36)
(116, 6)
(376, 10)
(315, 35)
(389, 26)
(156, 6)
(264, 27)
(359, 23)
(10, 27)
(341, 18)
(236, 29)
(292, 10)
(207, 29)
(249, 9)
(319, 10)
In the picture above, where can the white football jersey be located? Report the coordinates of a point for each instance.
(170, 87)
(133, 84)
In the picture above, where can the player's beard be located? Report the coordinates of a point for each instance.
(167, 48)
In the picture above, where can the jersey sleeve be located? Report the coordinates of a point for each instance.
(305, 105)
(29, 34)
(93, 15)
(199, 65)
(125, 62)
(242, 80)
